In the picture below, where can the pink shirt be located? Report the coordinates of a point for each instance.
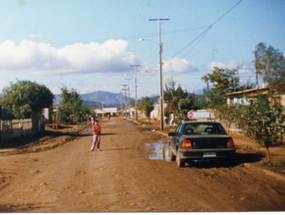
(96, 129)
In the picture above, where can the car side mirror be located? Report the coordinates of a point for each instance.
(171, 134)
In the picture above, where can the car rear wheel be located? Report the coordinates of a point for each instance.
(171, 155)
(180, 161)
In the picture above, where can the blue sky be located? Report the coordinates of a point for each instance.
(90, 45)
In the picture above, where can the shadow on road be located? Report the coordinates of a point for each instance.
(104, 134)
(118, 149)
(108, 134)
(237, 160)
(39, 138)
(21, 208)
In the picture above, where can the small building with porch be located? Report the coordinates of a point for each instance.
(239, 97)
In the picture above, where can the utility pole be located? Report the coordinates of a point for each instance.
(136, 98)
(129, 96)
(121, 105)
(160, 72)
(124, 89)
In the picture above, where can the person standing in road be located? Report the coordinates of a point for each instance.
(96, 135)
(172, 119)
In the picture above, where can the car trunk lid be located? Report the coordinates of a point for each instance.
(209, 141)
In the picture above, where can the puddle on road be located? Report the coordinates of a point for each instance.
(159, 150)
(86, 132)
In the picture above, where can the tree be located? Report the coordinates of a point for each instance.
(271, 63)
(224, 80)
(172, 106)
(171, 92)
(70, 103)
(261, 121)
(201, 102)
(184, 106)
(172, 95)
(180, 107)
(146, 104)
(26, 98)
(85, 110)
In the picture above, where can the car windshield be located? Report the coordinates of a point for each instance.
(203, 129)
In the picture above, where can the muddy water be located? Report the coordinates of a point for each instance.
(159, 150)
(87, 132)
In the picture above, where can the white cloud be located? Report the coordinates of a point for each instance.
(177, 65)
(171, 66)
(43, 59)
(243, 67)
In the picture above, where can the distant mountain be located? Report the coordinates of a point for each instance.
(155, 98)
(93, 104)
(153, 95)
(106, 98)
(102, 97)
(96, 99)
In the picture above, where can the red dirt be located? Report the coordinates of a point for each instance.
(58, 173)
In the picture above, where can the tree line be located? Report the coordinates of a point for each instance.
(25, 99)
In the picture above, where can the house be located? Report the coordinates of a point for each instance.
(99, 112)
(155, 114)
(240, 96)
(113, 111)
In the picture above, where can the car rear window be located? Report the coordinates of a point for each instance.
(203, 129)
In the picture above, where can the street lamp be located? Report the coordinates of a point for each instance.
(142, 39)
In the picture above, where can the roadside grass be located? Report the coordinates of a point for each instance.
(272, 164)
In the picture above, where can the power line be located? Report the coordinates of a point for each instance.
(207, 28)
(150, 77)
(201, 38)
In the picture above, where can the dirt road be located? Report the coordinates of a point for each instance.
(122, 177)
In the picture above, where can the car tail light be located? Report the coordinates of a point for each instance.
(230, 143)
(186, 144)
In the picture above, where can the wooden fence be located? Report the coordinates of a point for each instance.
(10, 129)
